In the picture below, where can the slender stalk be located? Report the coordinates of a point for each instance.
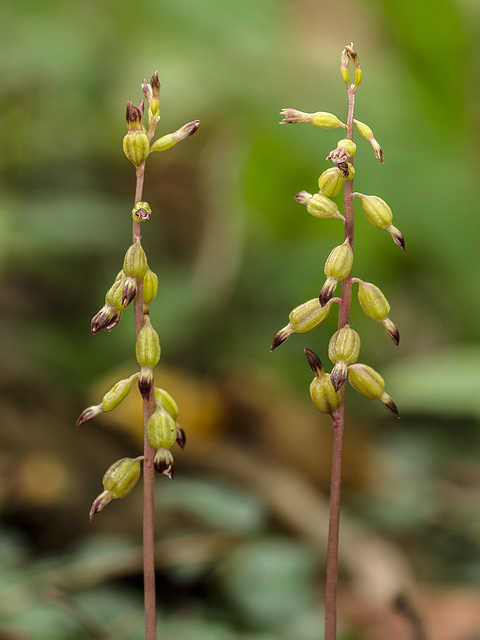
(339, 417)
(148, 469)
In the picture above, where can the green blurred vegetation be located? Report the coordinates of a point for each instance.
(234, 254)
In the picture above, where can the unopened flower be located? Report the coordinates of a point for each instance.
(370, 384)
(343, 350)
(367, 133)
(321, 119)
(118, 481)
(376, 307)
(380, 216)
(302, 319)
(324, 396)
(163, 462)
(171, 139)
(337, 267)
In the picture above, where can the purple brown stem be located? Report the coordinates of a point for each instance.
(149, 453)
(339, 417)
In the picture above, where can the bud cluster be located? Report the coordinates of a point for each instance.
(344, 345)
(137, 282)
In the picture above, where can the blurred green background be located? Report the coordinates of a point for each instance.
(241, 531)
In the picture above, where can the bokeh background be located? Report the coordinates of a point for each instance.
(241, 532)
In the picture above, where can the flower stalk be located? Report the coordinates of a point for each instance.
(328, 390)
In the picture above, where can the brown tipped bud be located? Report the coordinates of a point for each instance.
(136, 147)
(323, 395)
(107, 318)
(150, 287)
(303, 318)
(134, 117)
(171, 139)
(322, 207)
(88, 414)
(118, 481)
(380, 216)
(147, 348)
(303, 197)
(161, 430)
(135, 261)
(163, 462)
(117, 393)
(141, 211)
(370, 384)
(339, 375)
(155, 84)
(376, 306)
(357, 70)
(397, 237)
(163, 398)
(321, 119)
(344, 346)
(367, 133)
(339, 263)
(330, 182)
(181, 437)
(145, 382)
(327, 291)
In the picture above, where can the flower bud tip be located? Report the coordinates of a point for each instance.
(280, 338)
(314, 362)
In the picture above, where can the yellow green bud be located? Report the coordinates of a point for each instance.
(337, 267)
(163, 462)
(163, 398)
(136, 147)
(344, 67)
(147, 348)
(367, 133)
(114, 296)
(330, 183)
(380, 216)
(376, 306)
(370, 384)
(151, 92)
(160, 430)
(323, 395)
(141, 211)
(321, 119)
(349, 53)
(303, 318)
(322, 207)
(150, 287)
(117, 393)
(118, 481)
(343, 350)
(135, 262)
(348, 146)
(171, 139)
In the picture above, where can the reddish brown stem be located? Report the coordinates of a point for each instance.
(339, 418)
(148, 469)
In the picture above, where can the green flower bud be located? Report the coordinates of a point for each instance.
(347, 145)
(114, 296)
(380, 216)
(320, 119)
(303, 318)
(151, 92)
(323, 395)
(370, 384)
(337, 267)
(118, 482)
(171, 139)
(343, 350)
(322, 207)
(135, 261)
(141, 211)
(367, 133)
(376, 307)
(88, 413)
(117, 393)
(161, 430)
(163, 462)
(163, 398)
(147, 348)
(150, 287)
(330, 183)
(136, 147)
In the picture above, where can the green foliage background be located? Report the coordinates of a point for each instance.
(233, 251)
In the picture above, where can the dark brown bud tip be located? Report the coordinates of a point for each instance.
(191, 127)
(107, 318)
(397, 237)
(279, 339)
(163, 462)
(389, 404)
(88, 414)
(129, 291)
(339, 375)
(145, 386)
(393, 333)
(326, 293)
(303, 197)
(133, 113)
(181, 437)
(314, 362)
(154, 81)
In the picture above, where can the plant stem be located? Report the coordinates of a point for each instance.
(339, 417)
(148, 452)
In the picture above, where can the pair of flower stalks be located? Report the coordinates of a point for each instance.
(344, 345)
(136, 281)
